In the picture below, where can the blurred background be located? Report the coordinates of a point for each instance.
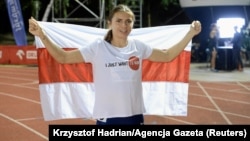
(225, 13)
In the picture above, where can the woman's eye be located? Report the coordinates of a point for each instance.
(129, 21)
(126, 21)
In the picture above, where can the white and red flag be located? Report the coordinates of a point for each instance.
(67, 90)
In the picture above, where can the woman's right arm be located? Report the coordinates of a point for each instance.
(59, 54)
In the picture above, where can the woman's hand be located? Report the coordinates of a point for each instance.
(195, 27)
(34, 28)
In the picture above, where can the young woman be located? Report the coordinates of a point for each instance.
(118, 89)
(212, 45)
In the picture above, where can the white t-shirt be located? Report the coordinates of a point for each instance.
(117, 76)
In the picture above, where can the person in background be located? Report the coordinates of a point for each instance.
(245, 49)
(195, 56)
(237, 44)
(118, 91)
(212, 45)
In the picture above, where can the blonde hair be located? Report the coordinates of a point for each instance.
(118, 8)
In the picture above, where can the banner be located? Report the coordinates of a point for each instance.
(16, 55)
(67, 90)
(16, 20)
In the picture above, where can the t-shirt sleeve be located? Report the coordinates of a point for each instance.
(89, 52)
(144, 48)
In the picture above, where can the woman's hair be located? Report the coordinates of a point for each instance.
(212, 26)
(118, 8)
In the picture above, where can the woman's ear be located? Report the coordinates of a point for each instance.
(108, 24)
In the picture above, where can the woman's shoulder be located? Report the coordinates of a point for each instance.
(140, 44)
(137, 42)
(97, 41)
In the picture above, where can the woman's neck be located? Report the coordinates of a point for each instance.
(119, 43)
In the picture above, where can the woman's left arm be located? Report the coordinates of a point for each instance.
(169, 54)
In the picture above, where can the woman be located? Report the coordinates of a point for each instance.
(122, 84)
(212, 44)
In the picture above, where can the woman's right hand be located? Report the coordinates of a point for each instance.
(34, 28)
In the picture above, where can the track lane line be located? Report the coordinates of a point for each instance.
(217, 89)
(214, 103)
(25, 126)
(242, 85)
(17, 78)
(223, 99)
(18, 97)
(209, 109)
(29, 119)
(21, 86)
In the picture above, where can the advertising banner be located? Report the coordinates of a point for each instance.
(16, 20)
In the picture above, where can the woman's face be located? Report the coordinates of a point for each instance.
(121, 25)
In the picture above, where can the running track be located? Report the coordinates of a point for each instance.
(21, 116)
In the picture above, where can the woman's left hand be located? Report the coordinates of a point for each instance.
(195, 27)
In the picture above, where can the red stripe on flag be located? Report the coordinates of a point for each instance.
(176, 70)
(51, 72)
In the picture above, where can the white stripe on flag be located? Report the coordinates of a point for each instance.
(76, 100)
